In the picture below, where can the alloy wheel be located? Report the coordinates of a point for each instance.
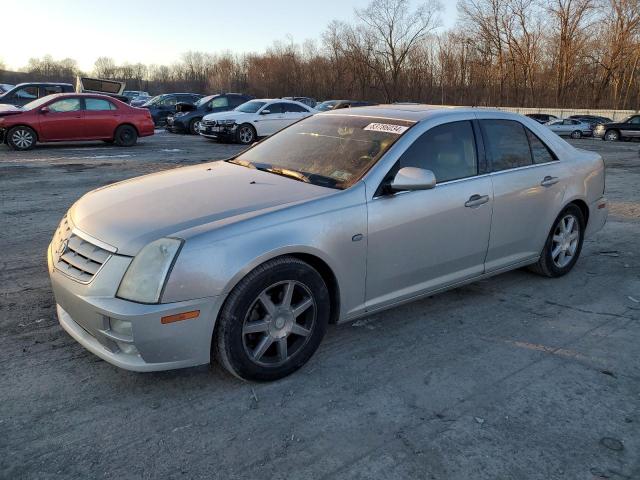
(246, 134)
(611, 136)
(22, 138)
(565, 240)
(279, 323)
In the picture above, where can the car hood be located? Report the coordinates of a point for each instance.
(6, 109)
(230, 115)
(130, 214)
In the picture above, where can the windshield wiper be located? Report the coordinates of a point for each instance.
(242, 163)
(285, 172)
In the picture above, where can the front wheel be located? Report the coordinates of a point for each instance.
(246, 134)
(125, 136)
(563, 245)
(21, 138)
(273, 320)
(576, 134)
(194, 126)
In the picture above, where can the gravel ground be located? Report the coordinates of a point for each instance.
(512, 377)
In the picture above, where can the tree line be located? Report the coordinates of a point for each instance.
(524, 53)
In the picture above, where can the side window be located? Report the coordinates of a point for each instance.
(236, 101)
(27, 93)
(219, 102)
(169, 101)
(292, 107)
(66, 105)
(50, 90)
(448, 150)
(541, 153)
(98, 104)
(506, 144)
(635, 120)
(274, 108)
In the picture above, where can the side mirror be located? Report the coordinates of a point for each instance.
(44, 110)
(412, 178)
(265, 112)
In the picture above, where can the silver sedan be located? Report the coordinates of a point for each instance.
(246, 261)
(570, 128)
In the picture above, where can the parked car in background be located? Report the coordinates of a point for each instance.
(625, 130)
(73, 117)
(5, 87)
(570, 128)
(164, 105)
(592, 120)
(542, 117)
(188, 119)
(24, 93)
(308, 101)
(246, 261)
(338, 104)
(253, 119)
(133, 94)
(140, 101)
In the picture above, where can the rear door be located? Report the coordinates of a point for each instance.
(528, 187)
(63, 121)
(294, 112)
(101, 118)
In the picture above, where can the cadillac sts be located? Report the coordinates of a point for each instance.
(246, 261)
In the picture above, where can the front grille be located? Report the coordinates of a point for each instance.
(76, 257)
(209, 123)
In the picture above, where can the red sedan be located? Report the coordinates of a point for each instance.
(73, 117)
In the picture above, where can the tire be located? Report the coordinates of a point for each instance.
(246, 134)
(576, 134)
(125, 136)
(252, 343)
(611, 135)
(564, 238)
(193, 126)
(22, 138)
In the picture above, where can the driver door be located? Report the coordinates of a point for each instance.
(420, 241)
(272, 119)
(63, 121)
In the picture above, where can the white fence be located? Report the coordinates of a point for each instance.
(615, 115)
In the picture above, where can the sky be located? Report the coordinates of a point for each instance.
(159, 31)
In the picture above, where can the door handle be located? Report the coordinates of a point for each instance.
(476, 200)
(548, 181)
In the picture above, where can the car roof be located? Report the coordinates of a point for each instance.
(44, 83)
(83, 95)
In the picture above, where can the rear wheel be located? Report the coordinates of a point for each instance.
(21, 138)
(125, 136)
(612, 135)
(273, 320)
(246, 134)
(576, 134)
(563, 245)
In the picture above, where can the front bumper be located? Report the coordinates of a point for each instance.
(599, 133)
(88, 312)
(174, 125)
(224, 132)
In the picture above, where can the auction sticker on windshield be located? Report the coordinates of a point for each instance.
(387, 128)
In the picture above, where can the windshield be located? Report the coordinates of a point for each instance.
(324, 106)
(204, 100)
(250, 107)
(36, 103)
(154, 100)
(328, 150)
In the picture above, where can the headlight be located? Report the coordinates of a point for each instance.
(226, 122)
(145, 277)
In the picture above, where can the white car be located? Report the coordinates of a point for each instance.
(570, 127)
(253, 119)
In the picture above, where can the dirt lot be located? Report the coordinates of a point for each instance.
(510, 378)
